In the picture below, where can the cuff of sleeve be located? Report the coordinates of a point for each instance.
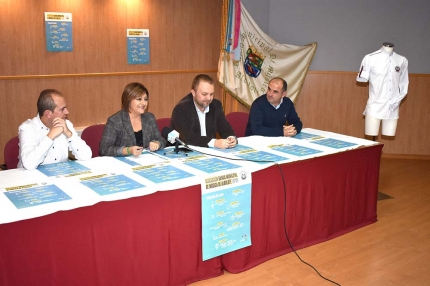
(71, 138)
(212, 143)
(119, 151)
(363, 76)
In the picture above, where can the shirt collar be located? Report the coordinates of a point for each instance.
(386, 53)
(40, 123)
(277, 106)
(206, 110)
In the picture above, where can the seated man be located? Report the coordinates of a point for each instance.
(273, 114)
(48, 137)
(198, 117)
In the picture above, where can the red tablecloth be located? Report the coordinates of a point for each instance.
(326, 197)
(149, 240)
(156, 239)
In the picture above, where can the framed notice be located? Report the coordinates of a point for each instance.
(58, 29)
(138, 46)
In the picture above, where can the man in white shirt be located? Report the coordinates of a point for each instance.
(48, 137)
(387, 73)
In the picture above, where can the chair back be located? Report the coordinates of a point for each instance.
(11, 152)
(163, 122)
(238, 121)
(92, 135)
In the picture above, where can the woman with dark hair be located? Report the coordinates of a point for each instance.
(131, 130)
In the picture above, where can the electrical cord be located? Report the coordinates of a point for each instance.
(286, 233)
(285, 206)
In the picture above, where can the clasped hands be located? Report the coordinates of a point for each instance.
(230, 142)
(289, 130)
(59, 127)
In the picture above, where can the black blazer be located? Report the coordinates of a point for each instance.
(186, 121)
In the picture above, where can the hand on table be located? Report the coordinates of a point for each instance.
(289, 130)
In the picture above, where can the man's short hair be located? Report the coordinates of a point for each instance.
(199, 78)
(46, 102)
(284, 83)
(132, 91)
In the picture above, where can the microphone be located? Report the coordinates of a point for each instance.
(172, 136)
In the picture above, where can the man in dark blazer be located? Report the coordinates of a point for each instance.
(198, 117)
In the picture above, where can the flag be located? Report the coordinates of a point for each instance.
(246, 69)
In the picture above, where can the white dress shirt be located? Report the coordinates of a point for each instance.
(202, 120)
(387, 74)
(36, 148)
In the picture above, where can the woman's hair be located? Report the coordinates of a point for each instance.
(131, 91)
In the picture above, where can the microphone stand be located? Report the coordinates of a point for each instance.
(176, 150)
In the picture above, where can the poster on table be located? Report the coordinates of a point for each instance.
(58, 29)
(106, 184)
(209, 165)
(64, 169)
(137, 46)
(161, 173)
(293, 149)
(35, 194)
(226, 212)
(260, 157)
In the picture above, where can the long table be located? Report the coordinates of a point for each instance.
(325, 198)
(155, 239)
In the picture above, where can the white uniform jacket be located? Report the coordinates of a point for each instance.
(387, 74)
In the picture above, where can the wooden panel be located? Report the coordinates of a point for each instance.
(184, 41)
(184, 35)
(335, 102)
(89, 100)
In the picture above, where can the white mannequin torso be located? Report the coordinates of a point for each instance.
(387, 74)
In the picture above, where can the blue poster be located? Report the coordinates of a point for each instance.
(209, 165)
(226, 213)
(308, 136)
(161, 173)
(58, 30)
(237, 148)
(333, 143)
(127, 161)
(295, 150)
(25, 196)
(106, 185)
(137, 46)
(261, 157)
(67, 169)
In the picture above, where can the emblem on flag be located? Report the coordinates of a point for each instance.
(253, 62)
(249, 58)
